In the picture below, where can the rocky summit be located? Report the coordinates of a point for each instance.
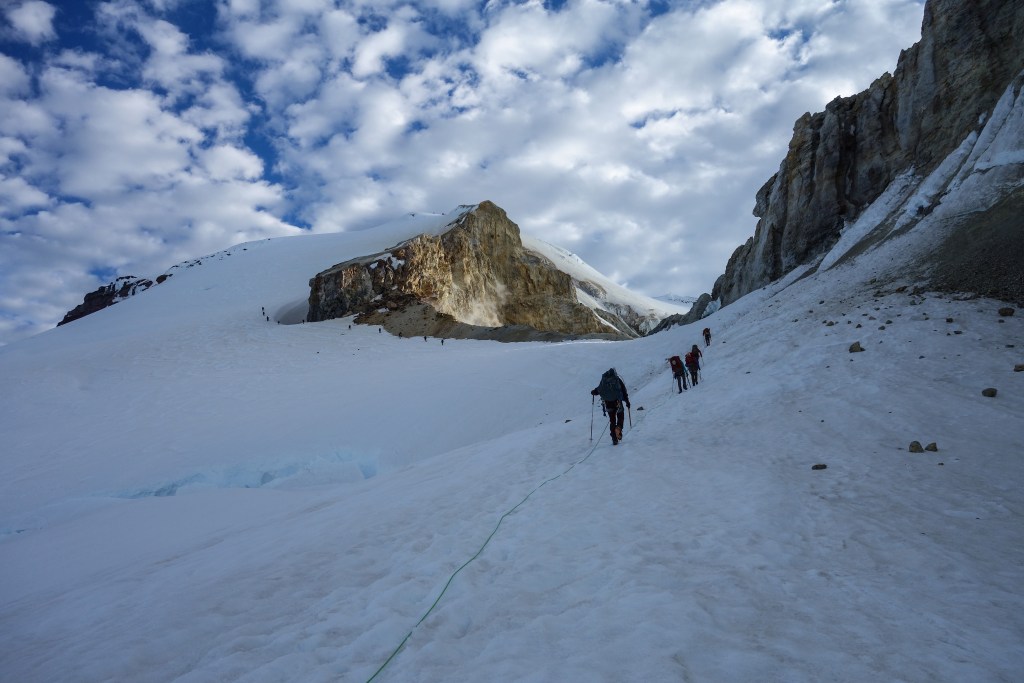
(473, 280)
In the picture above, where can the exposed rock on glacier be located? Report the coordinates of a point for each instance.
(107, 295)
(475, 280)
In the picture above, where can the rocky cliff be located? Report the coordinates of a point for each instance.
(474, 279)
(107, 295)
(943, 90)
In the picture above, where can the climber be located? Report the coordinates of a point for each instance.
(693, 365)
(612, 391)
(697, 355)
(678, 372)
(707, 336)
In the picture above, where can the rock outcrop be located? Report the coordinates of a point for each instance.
(107, 295)
(472, 280)
(942, 91)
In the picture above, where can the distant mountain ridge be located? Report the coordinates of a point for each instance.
(465, 274)
(677, 299)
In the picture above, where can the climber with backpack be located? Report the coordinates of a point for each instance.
(697, 355)
(612, 391)
(678, 372)
(707, 336)
(693, 365)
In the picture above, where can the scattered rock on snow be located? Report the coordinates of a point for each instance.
(819, 466)
(1006, 312)
(1019, 367)
(855, 347)
(990, 392)
(915, 447)
(932, 447)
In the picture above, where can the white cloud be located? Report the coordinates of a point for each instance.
(452, 6)
(265, 40)
(17, 196)
(339, 32)
(114, 141)
(240, 9)
(220, 111)
(9, 148)
(170, 65)
(527, 39)
(26, 120)
(293, 78)
(228, 163)
(32, 21)
(392, 41)
(383, 118)
(14, 81)
(334, 108)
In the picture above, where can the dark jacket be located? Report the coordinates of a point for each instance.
(622, 387)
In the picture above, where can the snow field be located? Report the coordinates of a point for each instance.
(322, 485)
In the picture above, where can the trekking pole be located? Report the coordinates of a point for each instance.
(630, 411)
(591, 418)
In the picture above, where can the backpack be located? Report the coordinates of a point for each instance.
(690, 359)
(676, 363)
(609, 387)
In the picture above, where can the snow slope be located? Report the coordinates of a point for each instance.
(191, 493)
(606, 294)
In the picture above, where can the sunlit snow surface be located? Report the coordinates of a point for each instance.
(192, 493)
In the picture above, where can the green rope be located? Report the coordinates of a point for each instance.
(476, 555)
(488, 540)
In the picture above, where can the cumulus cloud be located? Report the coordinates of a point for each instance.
(398, 38)
(557, 45)
(631, 133)
(17, 196)
(32, 21)
(225, 162)
(14, 80)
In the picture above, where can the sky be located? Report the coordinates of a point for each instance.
(136, 134)
(192, 493)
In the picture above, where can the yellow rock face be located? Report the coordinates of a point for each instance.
(475, 274)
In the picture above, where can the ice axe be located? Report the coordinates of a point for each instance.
(591, 418)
